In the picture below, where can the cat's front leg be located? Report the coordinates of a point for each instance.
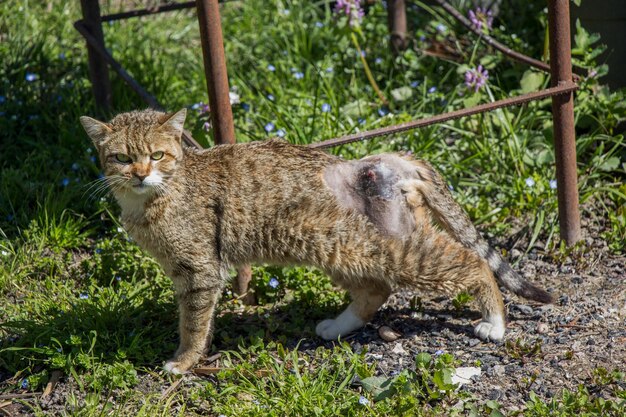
(198, 292)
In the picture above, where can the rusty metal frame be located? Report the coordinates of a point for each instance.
(560, 68)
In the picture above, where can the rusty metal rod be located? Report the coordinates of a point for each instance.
(216, 76)
(128, 79)
(494, 43)
(481, 108)
(396, 21)
(215, 70)
(563, 121)
(143, 12)
(98, 71)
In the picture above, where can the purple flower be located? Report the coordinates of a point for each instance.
(592, 73)
(414, 84)
(352, 9)
(206, 126)
(481, 19)
(553, 184)
(476, 78)
(274, 283)
(325, 107)
(269, 127)
(30, 77)
(204, 108)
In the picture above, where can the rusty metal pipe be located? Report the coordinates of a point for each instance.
(215, 71)
(396, 20)
(563, 121)
(566, 88)
(98, 71)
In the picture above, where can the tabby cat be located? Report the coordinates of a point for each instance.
(366, 223)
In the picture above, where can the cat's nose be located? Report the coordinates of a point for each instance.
(140, 177)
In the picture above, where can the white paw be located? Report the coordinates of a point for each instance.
(345, 323)
(172, 368)
(327, 329)
(490, 331)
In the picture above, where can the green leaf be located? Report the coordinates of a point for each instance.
(531, 81)
(379, 386)
(609, 164)
(402, 93)
(422, 360)
(355, 109)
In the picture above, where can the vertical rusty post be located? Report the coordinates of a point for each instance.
(396, 21)
(98, 70)
(219, 101)
(215, 70)
(563, 120)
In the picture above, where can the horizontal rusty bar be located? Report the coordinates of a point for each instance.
(128, 79)
(518, 56)
(563, 88)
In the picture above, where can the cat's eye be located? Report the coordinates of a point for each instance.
(125, 159)
(156, 156)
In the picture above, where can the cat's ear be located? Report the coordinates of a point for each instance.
(96, 130)
(174, 123)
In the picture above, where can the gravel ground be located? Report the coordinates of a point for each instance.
(584, 330)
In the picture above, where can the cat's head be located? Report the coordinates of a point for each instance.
(139, 151)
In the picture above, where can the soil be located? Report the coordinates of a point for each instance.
(547, 348)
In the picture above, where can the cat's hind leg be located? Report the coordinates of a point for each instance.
(366, 300)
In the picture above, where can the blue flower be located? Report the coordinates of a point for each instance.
(270, 67)
(319, 24)
(75, 166)
(530, 182)
(414, 84)
(363, 400)
(432, 89)
(325, 107)
(441, 27)
(553, 184)
(62, 55)
(2, 99)
(65, 182)
(281, 133)
(363, 53)
(269, 127)
(10, 217)
(92, 159)
(25, 383)
(30, 77)
(274, 283)
(245, 106)
(329, 69)
(361, 121)
(298, 75)
(98, 250)
(378, 60)
(270, 97)
(439, 352)
(118, 278)
(383, 111)
(196, 106)
(83, 296)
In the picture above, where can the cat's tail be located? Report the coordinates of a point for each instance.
(452, 218)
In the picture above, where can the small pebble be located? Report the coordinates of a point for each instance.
(542, 328)
(388, 334)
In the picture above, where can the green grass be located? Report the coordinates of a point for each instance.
(79, 297)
